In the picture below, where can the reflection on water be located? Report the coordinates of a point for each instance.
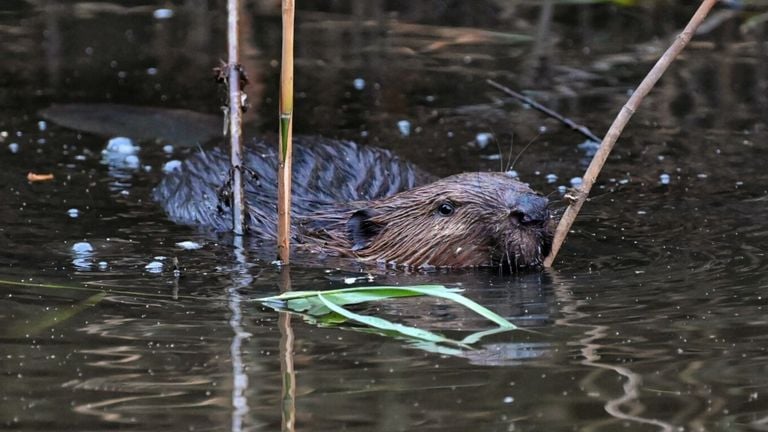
(653, 319)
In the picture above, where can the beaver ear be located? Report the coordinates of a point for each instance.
(361, 229)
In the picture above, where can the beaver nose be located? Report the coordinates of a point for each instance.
(530, 209)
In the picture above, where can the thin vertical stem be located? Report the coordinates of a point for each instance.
(287, 365)
(235, 119)
(620, 122)
(286, 132)
(241, 280)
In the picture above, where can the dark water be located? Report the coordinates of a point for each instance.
(654, 317)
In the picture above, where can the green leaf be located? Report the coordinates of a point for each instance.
(326, 308)
(385, 325)
(467, 303)
(308, 301)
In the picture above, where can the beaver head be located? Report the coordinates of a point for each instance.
(466, 220)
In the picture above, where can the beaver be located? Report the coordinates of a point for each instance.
(348, 200)
(366, 203)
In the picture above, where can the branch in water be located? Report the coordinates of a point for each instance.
(620, 122)
(539, 107)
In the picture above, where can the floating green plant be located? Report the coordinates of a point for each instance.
(327, 308)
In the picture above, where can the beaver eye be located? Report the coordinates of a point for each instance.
(446, 209)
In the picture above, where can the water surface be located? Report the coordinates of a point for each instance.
(652, 319)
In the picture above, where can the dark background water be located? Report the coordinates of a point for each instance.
(652, 319)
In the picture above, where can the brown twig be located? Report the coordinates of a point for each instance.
(539, 107)
(620, 122)
(235, 119)
(286, 132)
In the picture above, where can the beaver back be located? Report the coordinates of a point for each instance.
(325, 172)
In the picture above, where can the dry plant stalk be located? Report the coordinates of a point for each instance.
(582, 192)
(286, 132)
(235, 119)
(541, 108)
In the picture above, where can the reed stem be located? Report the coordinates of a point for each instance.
(285, 135)
(235, 119)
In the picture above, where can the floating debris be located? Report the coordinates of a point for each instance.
(358, 83)
(664, 179)
(73, 213)
(34, 177)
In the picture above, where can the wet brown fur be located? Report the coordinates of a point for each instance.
(368, 204)
(407, 228)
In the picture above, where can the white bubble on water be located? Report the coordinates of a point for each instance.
(189, 245)
(132, 161)
(83, 253)
(121, 145)
(82, 248)
(483, 139)
(162, 13)
(404, 126)
(171, 166)
(154, 267)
